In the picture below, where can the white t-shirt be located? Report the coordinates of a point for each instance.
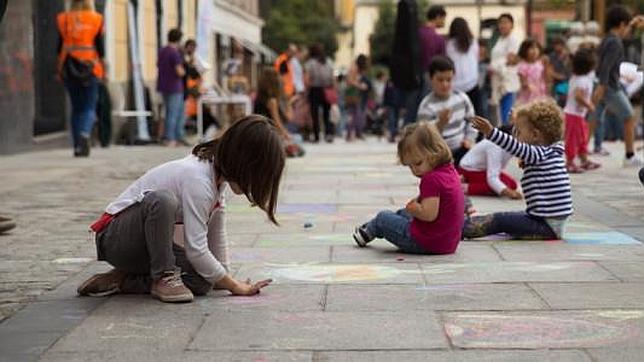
(298, 75)
(487, 156)
(466, 65)
(585, 83)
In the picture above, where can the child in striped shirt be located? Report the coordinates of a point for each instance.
(448, 109)
(546, 186)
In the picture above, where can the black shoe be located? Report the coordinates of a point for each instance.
(328, 138)
(361, 236)
(83, 147)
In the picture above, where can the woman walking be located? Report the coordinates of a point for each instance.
(319, 78)
(464, 52)
(80, 66)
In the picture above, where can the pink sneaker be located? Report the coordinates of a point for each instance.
(170, 289)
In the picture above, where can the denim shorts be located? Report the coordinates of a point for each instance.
(616, 101)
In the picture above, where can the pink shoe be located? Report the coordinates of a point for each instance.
(590, 165)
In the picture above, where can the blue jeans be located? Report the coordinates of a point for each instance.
(620, 107)
(517, 224)
(394, 227)
(174, 117)
(84, 99)
(505, 106)
(393, 114)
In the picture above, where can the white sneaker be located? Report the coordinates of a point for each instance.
(635, 161)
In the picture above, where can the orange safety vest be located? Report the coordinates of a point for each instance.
(78, 29)
(287, 78)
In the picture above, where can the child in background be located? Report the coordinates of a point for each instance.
(431, 222)
(482, 170)
(449, 110)
(135, 234)
(538, 129)
(532, 72)
(578, 105)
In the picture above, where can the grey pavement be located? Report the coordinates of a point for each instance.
(581, 299)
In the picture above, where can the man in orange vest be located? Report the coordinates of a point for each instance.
(80, 66)
(283, 68)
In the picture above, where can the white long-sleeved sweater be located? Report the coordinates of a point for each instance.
(200, 210)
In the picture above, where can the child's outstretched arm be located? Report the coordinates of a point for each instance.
(527, 152)
(425, 210)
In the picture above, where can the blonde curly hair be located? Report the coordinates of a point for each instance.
(546, 117)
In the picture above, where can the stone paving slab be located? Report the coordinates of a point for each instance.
(319, 331)
(629, 271)
(455, 356)
(332, 273)
(532, 251)
(545, 329)
(436, 297)
(617, 354)
(281, 255)
(192, 356)
(133, 324)
(591, 295)
(466, 252)
(581, 271)
(303, 239)
(278, 298)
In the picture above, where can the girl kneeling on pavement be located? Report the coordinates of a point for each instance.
(135, 234)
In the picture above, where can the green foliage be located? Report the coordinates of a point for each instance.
(301, 22)
(381, 41)
(423, 6)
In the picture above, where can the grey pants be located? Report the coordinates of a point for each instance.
(139, 240)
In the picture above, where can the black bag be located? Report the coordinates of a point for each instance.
(76, 70)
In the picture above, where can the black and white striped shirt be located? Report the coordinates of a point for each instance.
(545, 180)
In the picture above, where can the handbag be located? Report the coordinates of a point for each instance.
(76, 70)
(330, 95)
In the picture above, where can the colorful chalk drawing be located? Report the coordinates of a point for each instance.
(530, 267)
(600, 238)
(543, 329)
(336, 273)
(588, 237)
(309, 239)
(284, 208)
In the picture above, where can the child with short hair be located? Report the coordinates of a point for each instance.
(532, 72)
(609, 93)
(538, 131)
(578, 104)
(482, 171)
(135, 234)
(431, 222)
(448, 109)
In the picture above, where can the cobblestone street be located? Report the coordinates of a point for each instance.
(576, 300)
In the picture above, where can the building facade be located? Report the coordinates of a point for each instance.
(33, 102)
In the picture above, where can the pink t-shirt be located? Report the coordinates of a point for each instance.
(534, 73)
(442, 235)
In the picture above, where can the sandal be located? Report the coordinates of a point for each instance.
(572, 168)
(590, 165)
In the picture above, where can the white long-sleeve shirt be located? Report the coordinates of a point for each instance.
(200, 210)
(487, 156)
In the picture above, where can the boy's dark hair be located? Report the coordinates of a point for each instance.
(526, 45)
(507, 16)
(436, 11)
(583, 61)
(190, 42)
(251, 154)
(174, 36)
(440, 63)
(362, 62)
(616, 15)
(316, 51)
